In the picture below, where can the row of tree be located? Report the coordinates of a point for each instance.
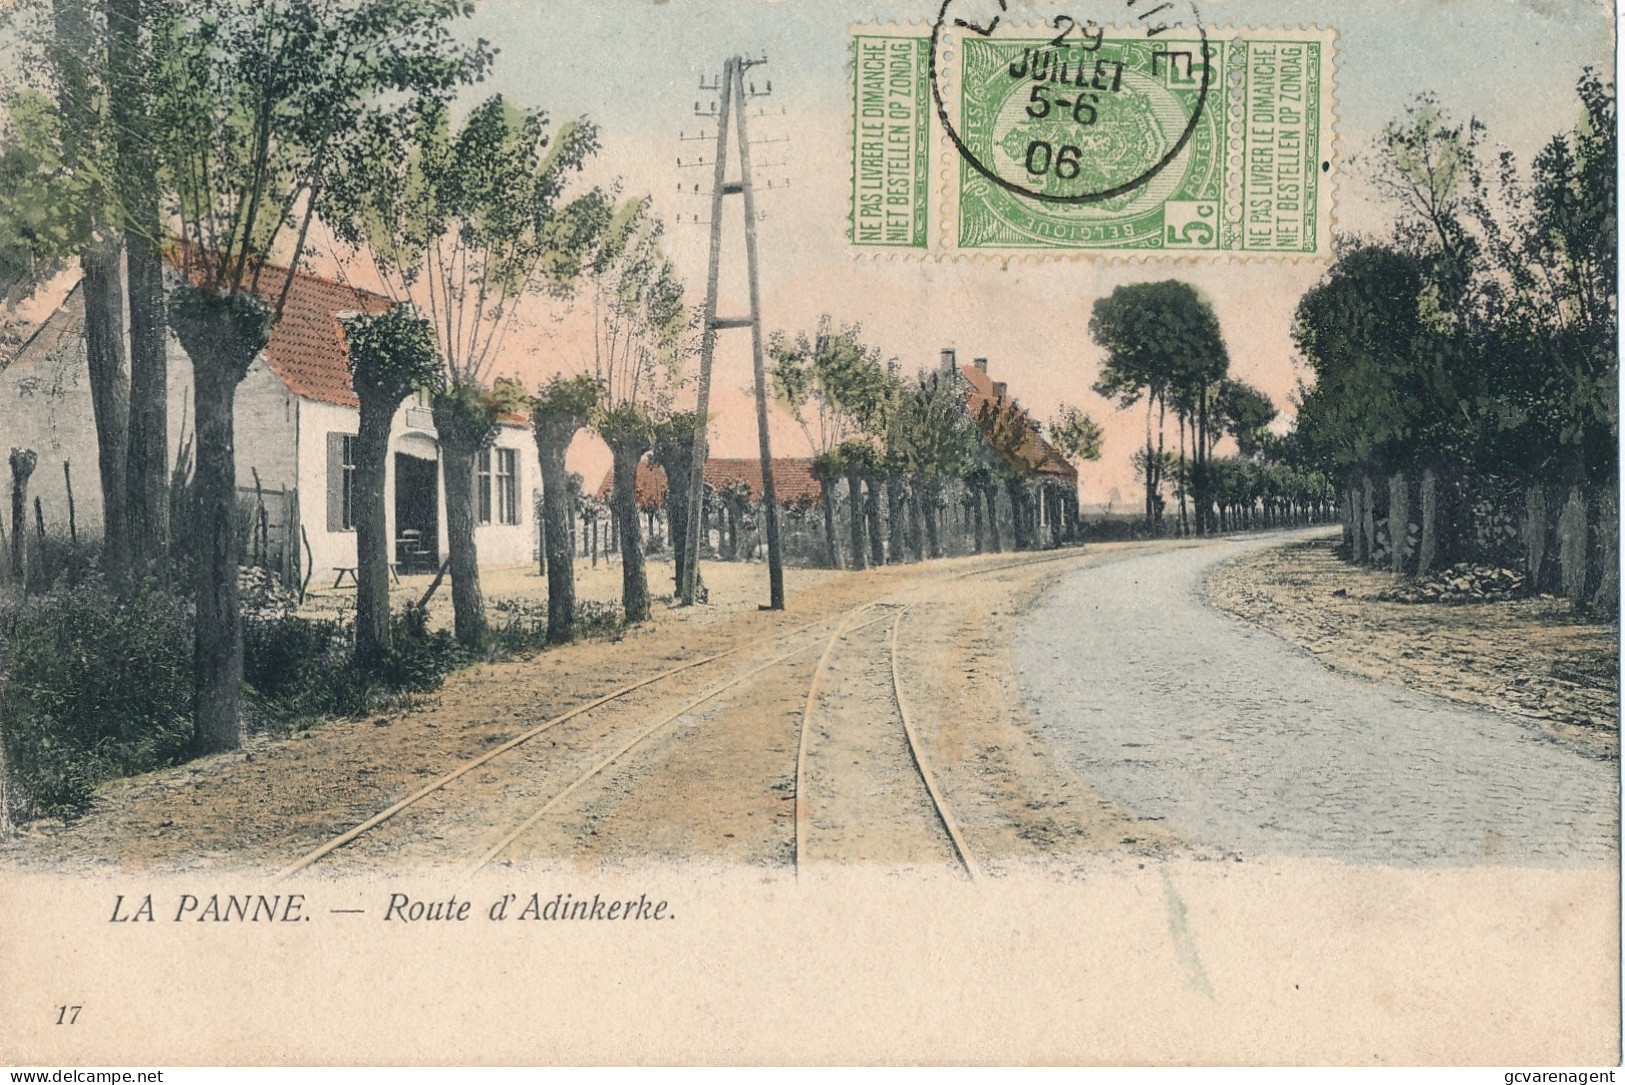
(215, 134)
(1465, 365)
(901, 441)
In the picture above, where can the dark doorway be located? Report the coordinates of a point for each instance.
(417, 514)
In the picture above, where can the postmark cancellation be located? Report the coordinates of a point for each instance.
(1006, 140)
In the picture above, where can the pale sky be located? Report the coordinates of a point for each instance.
(633, 67)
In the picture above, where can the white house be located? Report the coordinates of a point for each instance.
(296, 421)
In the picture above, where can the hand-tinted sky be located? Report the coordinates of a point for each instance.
(634, 66)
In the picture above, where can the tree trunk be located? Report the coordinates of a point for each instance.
(1186, 474)
(1204, 525)
(1534, 533)
(1016, 489)
(894, 519)
(5, 776)
(558, 544)
(677, 459)
(1605, 602)
(854, 494)
(103, 287)
(976, 521)
(372, 556)
(1368, 521)
(218, 644)
(1428, 551)
(1572, 531)
(222, 334)
(147, 454)
(1150, 469)
(1350, 516)
(467, 601)
(929, 499)
(1399, 521)
(871, 510)
(832, 551)
(990, 495)
(915, 528)
(626, 453)
(23, 461)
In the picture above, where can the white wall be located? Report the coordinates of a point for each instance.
(45, 406)
(413, 434)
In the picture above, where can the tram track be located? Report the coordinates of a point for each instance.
(642, 734)
(939, 808)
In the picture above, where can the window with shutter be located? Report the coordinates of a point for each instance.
(340, 482)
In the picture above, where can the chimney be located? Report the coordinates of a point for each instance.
(999, 388)
(949, 368)
(980, 363)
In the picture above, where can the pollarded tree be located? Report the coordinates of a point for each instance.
(836, 389)
(674, 452)
(642, 332)
(466, 418)
(468, 224)
(255, 104)
(559, 410)
(859, 460)
(392, 354)
(938, 442)
(629, 432)
(1010, 436)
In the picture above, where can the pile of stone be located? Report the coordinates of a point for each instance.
(1464, 583)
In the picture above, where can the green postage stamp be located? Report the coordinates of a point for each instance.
(1021, 141)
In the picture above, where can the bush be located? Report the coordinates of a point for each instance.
(419, 658)
(524, 628)
(96, 688)
(299, 669)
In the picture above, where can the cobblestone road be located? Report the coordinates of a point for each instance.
(1244, 743)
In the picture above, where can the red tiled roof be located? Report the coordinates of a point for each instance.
(793, 481)
(306, 349)
(1050, 461)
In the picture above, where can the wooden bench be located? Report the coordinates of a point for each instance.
(349, 571)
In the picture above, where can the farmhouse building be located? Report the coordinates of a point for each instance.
(296, 422)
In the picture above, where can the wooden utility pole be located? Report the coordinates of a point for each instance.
(731, 107)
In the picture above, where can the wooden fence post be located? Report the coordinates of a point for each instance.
(73, 525)
(22, 466)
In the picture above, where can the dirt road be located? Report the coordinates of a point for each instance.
(700, 765)
(1241, 742)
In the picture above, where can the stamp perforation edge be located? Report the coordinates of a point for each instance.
(944, 160)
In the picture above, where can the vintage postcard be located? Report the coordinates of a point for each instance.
(809, 531)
